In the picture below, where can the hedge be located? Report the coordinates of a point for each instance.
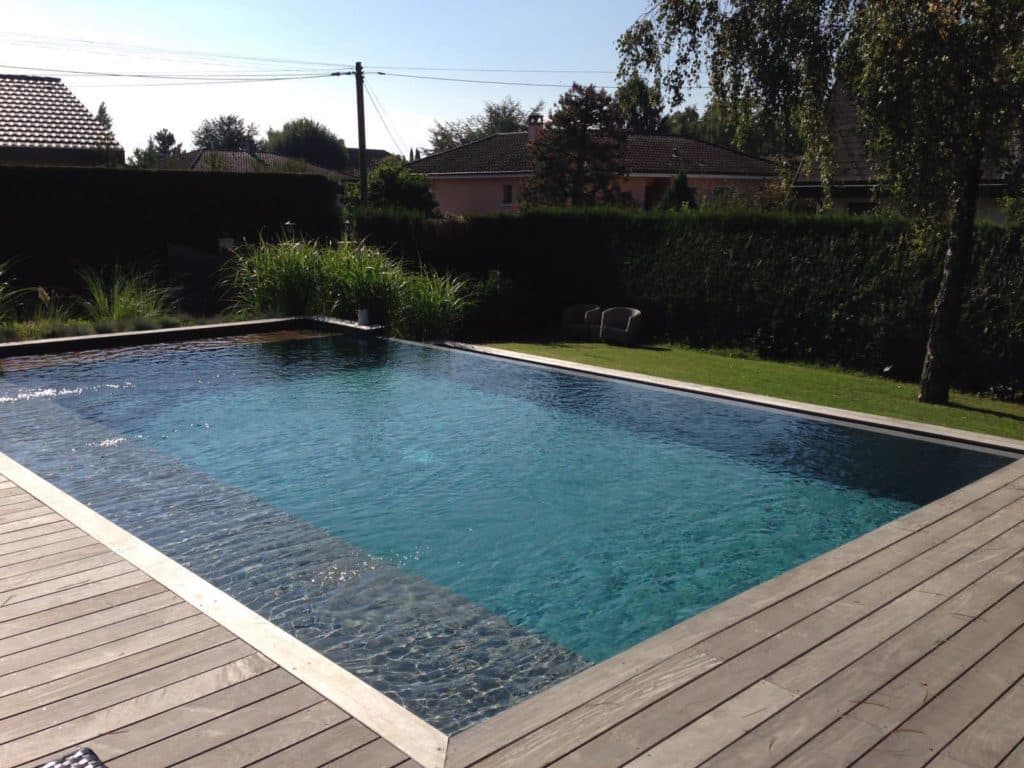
(56, 220)
(850, 290)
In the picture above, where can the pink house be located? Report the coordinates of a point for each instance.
(487, 176)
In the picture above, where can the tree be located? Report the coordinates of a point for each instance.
(505, 116)
(640, 104)
(392, 184)
(226, 132)
(310, 141)
(580, 152)
(103, 116)
(937, 85)
(679, 195)
(160, 146)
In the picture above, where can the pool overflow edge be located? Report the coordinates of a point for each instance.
(398, 725)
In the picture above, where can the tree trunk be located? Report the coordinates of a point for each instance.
(937, 374)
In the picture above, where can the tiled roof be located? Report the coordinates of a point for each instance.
(41, 113)
(852, 166)
(508, 153)
(373, 156)
(246, 162)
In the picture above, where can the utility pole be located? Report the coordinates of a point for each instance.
(362, 132)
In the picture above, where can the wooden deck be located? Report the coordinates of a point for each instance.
(904, 647)
(94, 652)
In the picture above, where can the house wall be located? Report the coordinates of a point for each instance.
(988, 207)
(482, 196)
(475, 196)
(646, 191)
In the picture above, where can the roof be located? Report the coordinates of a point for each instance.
(246, 162)
(373, 156)
(852, 166)
(509, 154)
(41, 113)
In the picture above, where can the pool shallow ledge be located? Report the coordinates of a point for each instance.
(414, 736)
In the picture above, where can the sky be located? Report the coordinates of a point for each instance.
(231, 40)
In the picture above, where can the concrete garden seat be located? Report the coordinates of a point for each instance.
(582, 321)
(621, 325)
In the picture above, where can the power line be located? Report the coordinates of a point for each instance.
(486, 82)
(486, 69)
(376, 108)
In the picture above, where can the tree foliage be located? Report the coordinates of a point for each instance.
(505, 116)
(103, 116)
(390, 184)
(580, 152)
(640, 104)
(229, 132)
(938, 87)
(308, 140)
(679, 196)
(160, 146)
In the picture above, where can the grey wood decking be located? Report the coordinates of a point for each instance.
(94, 652)
(904, 647)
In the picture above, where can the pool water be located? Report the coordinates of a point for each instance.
(460, 531)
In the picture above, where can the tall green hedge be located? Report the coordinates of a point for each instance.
(856, 291)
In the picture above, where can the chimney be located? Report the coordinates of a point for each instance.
(534, 126)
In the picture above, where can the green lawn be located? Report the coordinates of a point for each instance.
(793, 381)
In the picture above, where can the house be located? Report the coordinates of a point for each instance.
(239, 161)
(854, 187)
(42, 123)
(373, 156)
(487, 176)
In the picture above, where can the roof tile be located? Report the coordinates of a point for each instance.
(40, 112)
(508, 153)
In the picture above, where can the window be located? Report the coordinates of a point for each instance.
(506, 195)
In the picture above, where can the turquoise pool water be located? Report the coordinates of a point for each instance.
(567, 517)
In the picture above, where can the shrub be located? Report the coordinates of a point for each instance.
(9, 295)
(128, 294)
(306, 278)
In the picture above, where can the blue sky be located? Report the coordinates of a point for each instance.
(386, 35)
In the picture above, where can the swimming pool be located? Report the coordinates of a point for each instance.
(459, 531)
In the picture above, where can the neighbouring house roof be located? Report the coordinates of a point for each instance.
(509, 154)
(852, 166)
(373, 156)
(40, 114)
(247, 162)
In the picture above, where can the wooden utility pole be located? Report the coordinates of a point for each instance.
(362, 132)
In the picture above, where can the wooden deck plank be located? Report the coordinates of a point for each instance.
(95, 620)
(120, 715)
(227, 727)
(55, 713)
(14, 540)
(746, 659)
(95, 677)
(158, 728)
(271, 738)
(82, 607)
(990, 738)
(810, 586)
(73, 595)
(881, 713)
(376, 754)
(15, 552)
(60, 577)
(930, 729)
(44, 517)
(321, 748)
(9, 502)
(102, 654)
(706, 735)
(39, 563)
(999, 595)
(22, 510)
